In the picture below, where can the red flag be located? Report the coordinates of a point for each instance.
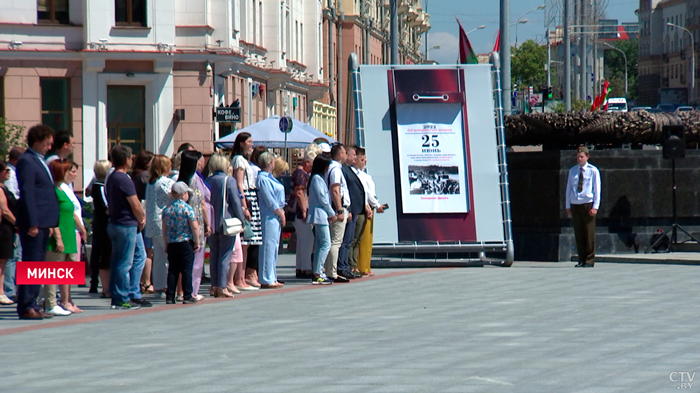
(497, 45)
(466, 52)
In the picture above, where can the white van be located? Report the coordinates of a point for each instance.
(617, 105)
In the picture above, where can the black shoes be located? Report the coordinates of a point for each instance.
(191, 300)
(585, 265)
(347, 274)
(340, 279)
(142, 302)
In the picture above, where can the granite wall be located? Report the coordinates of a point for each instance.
(636, 200)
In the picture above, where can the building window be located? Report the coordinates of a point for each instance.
(53, 11)
(130, 12)
(55, 103)
(126, 116)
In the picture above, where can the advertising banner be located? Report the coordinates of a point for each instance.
(432, 158)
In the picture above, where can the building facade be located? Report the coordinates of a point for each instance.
(665, 51)
(149, 73)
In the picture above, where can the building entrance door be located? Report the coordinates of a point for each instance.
(126, 116)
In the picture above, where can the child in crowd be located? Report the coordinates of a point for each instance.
(181, 236)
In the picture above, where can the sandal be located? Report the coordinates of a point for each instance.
(274, 285)
(233, 290)
(147, 289)
(105, 295)
(5, 301)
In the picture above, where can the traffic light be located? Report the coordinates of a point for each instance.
(549, 92)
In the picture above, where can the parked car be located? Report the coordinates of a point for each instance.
(617, 104)
(640, 108)
(685, 109)
(666, 107)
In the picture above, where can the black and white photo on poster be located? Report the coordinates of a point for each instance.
(433, 179)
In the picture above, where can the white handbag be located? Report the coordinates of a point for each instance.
(231, 226)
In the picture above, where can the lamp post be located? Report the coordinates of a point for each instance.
(520, 22)
(691, 91)
(625, 57)
(475, 29)
(517, 21)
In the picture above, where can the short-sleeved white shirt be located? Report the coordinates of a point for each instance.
(250, 176)
(335, 176)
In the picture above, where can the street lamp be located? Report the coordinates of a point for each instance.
(475, 29)
(523, 14)
(625, 57)
(691, 93)
(520, 22)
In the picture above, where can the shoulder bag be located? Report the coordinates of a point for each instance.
(231, 226)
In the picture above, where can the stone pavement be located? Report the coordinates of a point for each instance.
(534, 327)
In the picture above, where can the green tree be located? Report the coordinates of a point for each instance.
(10, 135)
(528, 65)
(615, 68)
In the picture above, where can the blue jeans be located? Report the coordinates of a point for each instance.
(322, 246)
(124, 269)
(10, 267)
(344, 253)
(139, 263)
(267, 259)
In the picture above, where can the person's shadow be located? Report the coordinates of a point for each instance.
(620, 223)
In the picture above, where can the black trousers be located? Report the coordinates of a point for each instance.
(252, 258)
(101, 254)
(584, 230)
(180, 261)
(33, 250)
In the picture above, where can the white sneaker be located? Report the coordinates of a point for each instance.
(159, 295)
(59, 311)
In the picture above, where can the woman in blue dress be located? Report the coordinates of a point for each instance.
(272, 201)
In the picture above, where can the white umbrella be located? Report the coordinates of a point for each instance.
(267, 133)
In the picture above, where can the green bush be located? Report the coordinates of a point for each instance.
(10, 135)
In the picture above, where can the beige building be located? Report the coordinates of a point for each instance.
(148, 74)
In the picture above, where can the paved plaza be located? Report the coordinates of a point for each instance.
(534, 327)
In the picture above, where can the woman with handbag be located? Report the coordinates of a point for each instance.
(271, 198)
(227, 204)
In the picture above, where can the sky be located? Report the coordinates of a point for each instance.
(473, 13)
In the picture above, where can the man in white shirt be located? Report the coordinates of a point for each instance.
(340, 200)
(12, 158)
(582, 203)
(63, 146)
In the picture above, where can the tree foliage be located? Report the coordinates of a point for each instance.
(10, 135)
(528, 65)
(615, 68)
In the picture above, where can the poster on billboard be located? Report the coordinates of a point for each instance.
(432, 158)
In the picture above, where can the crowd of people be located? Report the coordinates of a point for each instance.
(154, 216)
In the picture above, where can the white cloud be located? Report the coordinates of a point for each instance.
(449, 47)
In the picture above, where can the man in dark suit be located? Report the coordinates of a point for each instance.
(358, 204)
(37, 212)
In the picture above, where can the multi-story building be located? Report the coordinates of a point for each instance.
(363, 27)
(149, 73)
(664, 51)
